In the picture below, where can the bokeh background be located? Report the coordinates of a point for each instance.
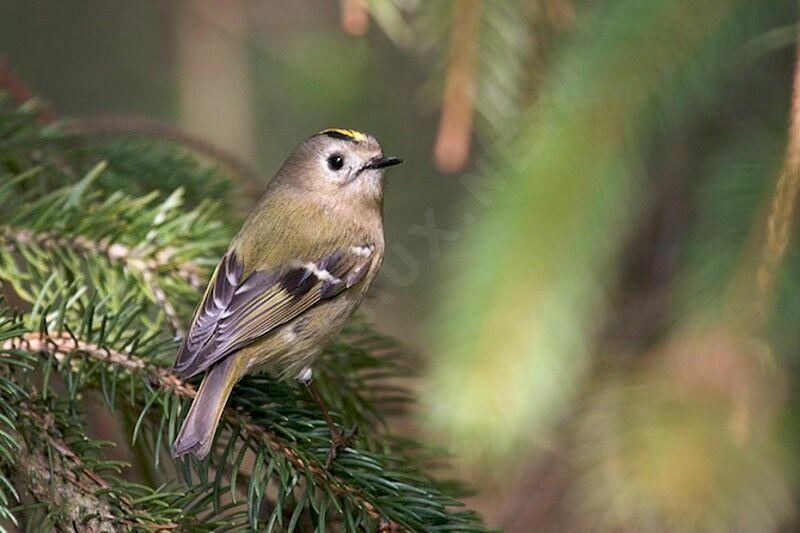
(590, 249)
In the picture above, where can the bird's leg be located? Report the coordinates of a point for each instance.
(339, 438)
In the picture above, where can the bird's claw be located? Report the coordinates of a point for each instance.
(339, 439)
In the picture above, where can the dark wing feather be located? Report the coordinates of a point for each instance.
(217, 298)
(235, 311)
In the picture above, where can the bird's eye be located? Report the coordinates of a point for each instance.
(336, 162)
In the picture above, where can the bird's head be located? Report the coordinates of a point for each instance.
(343, 165)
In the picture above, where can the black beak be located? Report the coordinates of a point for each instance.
(383, 162)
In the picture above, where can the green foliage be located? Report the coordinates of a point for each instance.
(587, 319)
(103, 261)
(534, 284)
(159, 165)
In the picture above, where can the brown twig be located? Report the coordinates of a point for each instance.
(784, 200)
(62, 345)
(455, 126)
(354, 17)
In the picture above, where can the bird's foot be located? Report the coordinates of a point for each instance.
(339, 439)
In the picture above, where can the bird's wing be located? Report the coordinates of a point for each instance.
(236, 309)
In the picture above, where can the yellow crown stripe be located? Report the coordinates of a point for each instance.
(353, 134)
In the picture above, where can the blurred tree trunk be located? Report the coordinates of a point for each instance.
(214, 86)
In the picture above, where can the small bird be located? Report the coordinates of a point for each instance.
(289, 279)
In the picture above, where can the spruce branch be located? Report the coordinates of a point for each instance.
(78, 504)
(63, 345)
(114, 126)
(72, 486)
(151, 264)
(57, 466)
(160, 246)
(148, 265)
(47, 455)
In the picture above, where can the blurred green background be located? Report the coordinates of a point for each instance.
(585, 246)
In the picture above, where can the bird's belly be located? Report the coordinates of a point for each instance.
(290, 349)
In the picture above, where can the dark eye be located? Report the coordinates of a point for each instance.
(336, 162)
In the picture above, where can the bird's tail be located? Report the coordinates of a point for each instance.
(199, 426)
